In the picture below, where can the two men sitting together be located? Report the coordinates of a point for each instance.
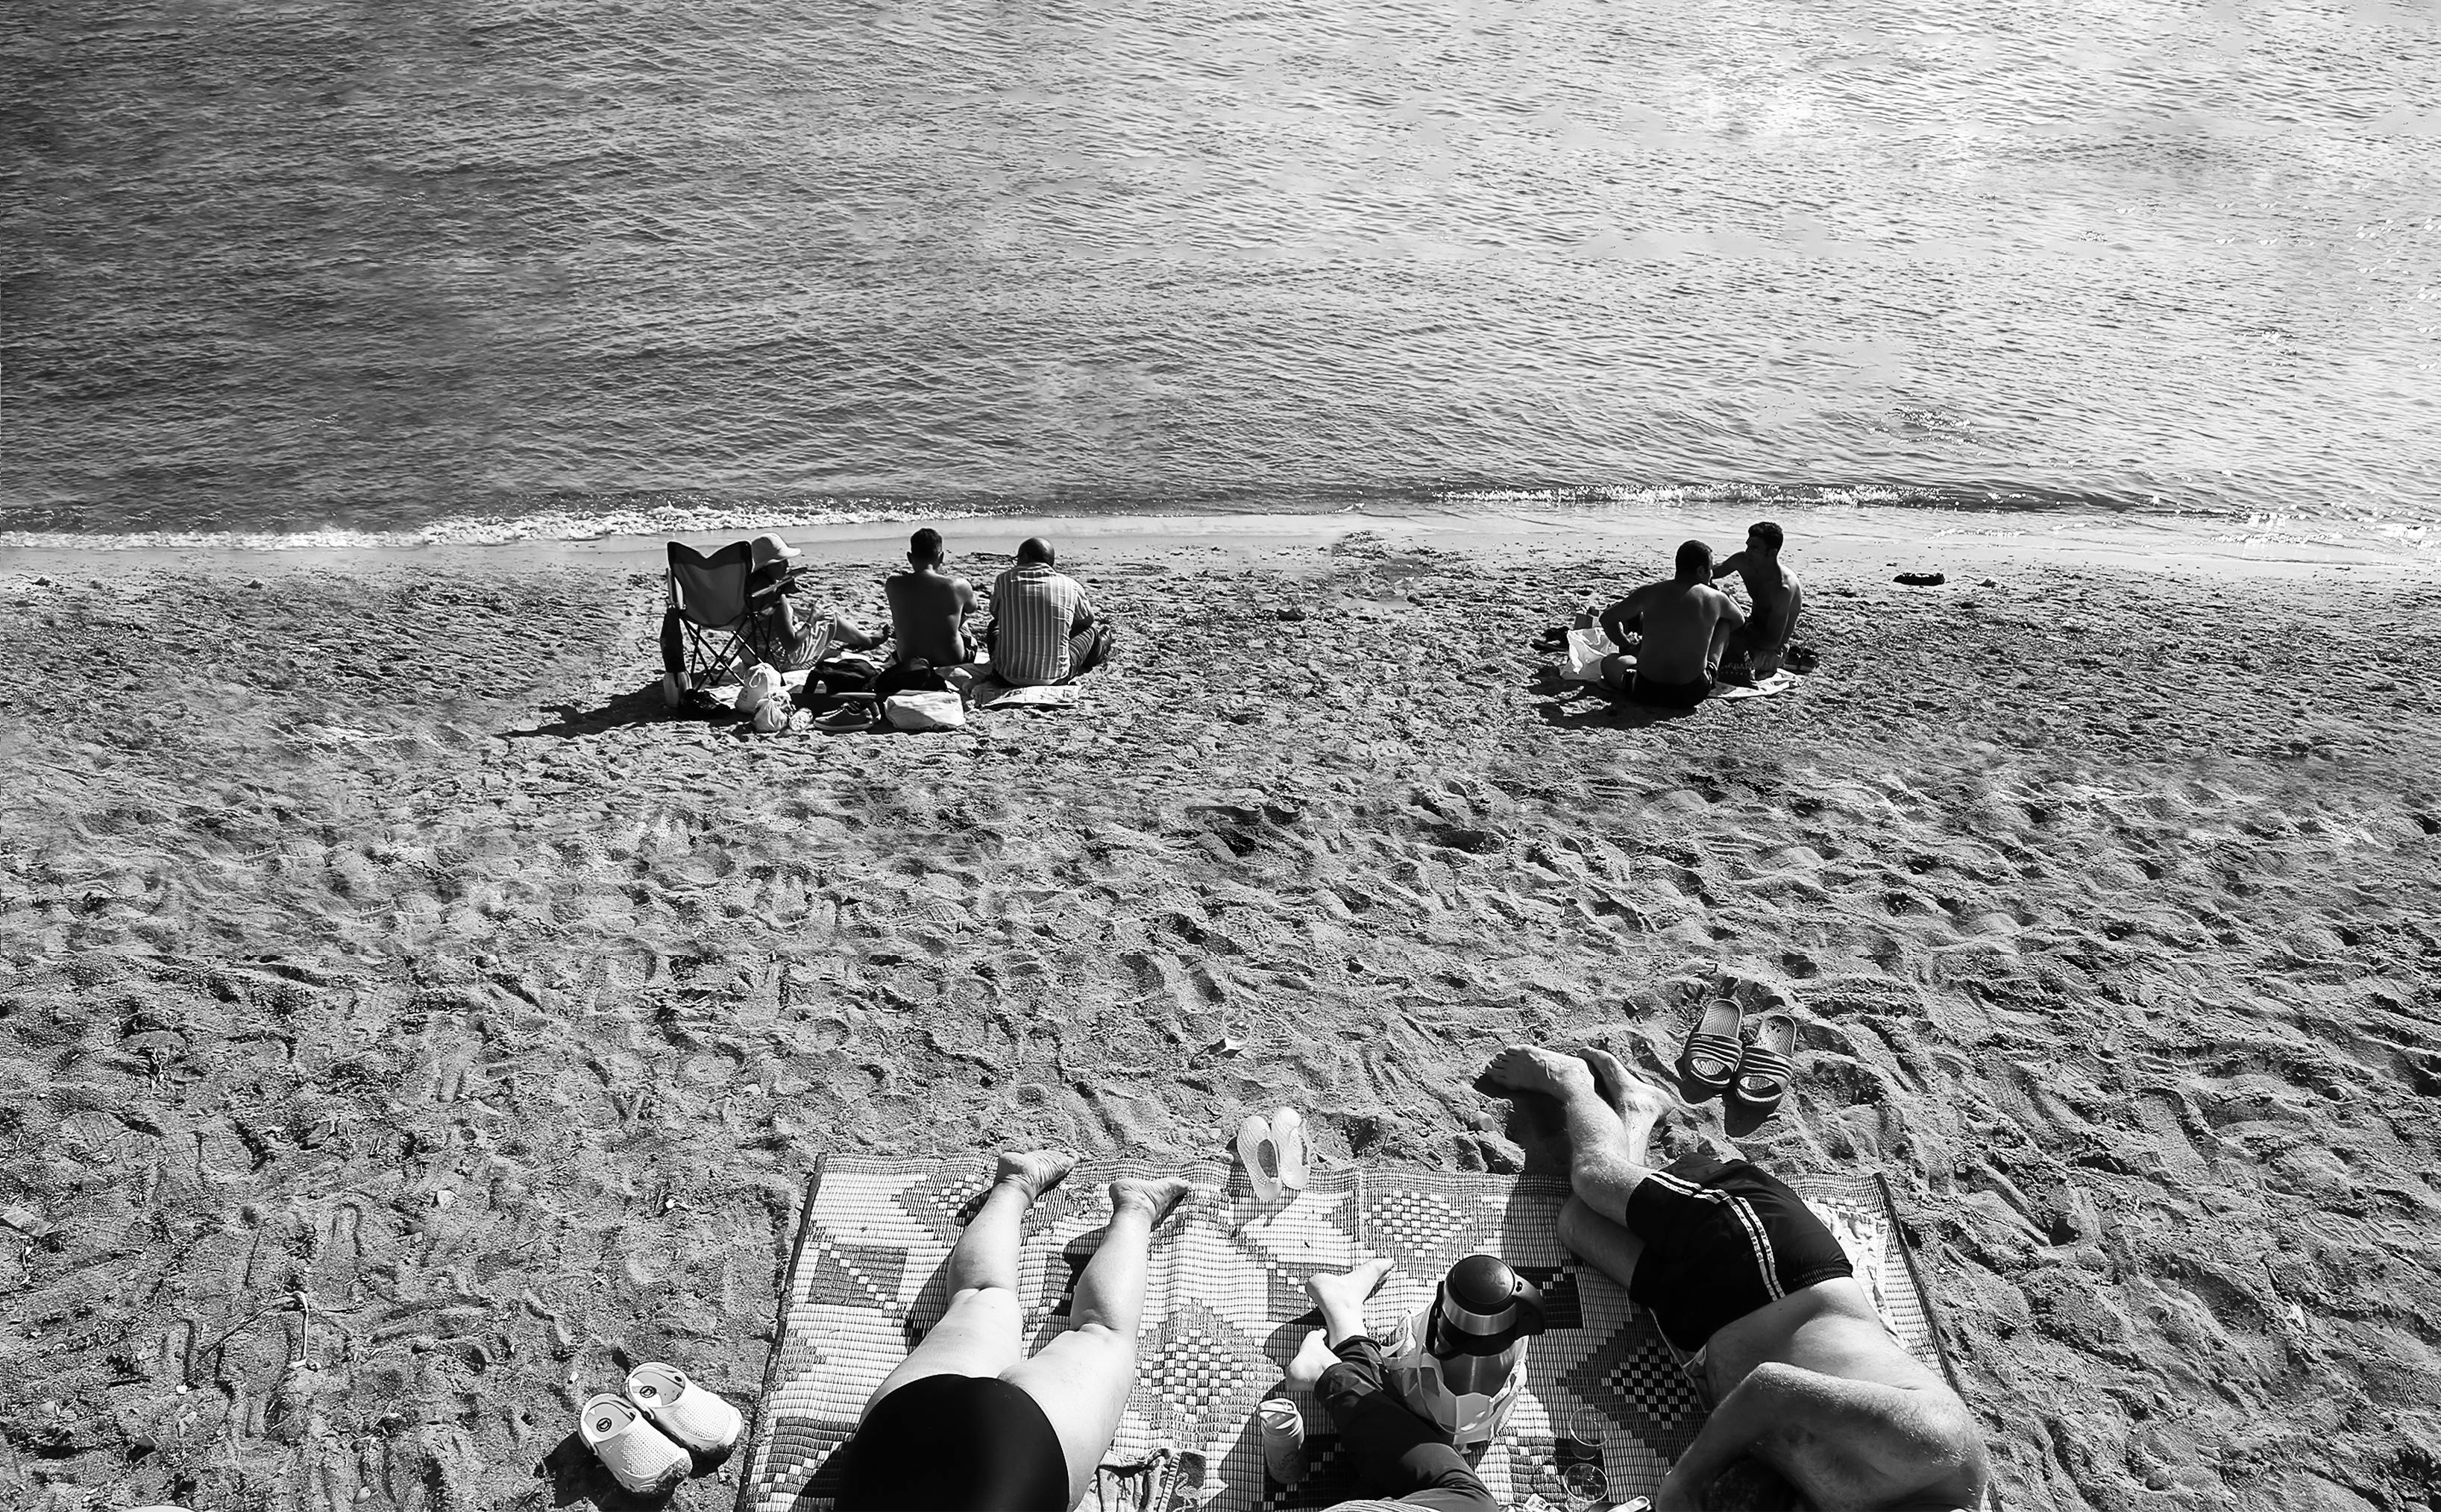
(1690, 630)
(1041, 626)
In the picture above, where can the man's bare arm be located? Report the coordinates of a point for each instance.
(1614, 619)
(1727, 565)
(1861, 1442)
(1731, 617)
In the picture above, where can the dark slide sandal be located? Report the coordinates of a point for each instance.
(1764, 1075)
(1710, 1058)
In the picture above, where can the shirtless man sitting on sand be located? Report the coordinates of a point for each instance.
(1734, 1265)
(1772, 589)
(929, 605)
(1685, 621)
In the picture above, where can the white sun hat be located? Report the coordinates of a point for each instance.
(699, 1419)
(766, 550)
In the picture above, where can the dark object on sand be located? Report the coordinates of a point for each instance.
(1922, 580)
(1712, 1052)
(850, 713)
(705, 628)
(1764, 1069)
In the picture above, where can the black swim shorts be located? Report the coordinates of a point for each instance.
(973, 1442)
(1722, 1239)
(1646, 689)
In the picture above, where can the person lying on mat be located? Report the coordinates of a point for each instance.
(967, 1420)
(928, 607)
(1734, 1265)
(1043, 626)
(1755, 647)
(788, 633)
(1684, 623)
(1394, 1454)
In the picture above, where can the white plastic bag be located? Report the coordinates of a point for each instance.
(762, 684)
(771, 714)
(924, 710)
(1586, 649)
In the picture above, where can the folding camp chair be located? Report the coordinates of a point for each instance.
(709, 632)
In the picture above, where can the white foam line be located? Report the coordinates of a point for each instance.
(667, 519)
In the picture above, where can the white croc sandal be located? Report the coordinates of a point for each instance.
(631, 1448)
(699, 1419)
(1262, 1154)
(1287, 1137)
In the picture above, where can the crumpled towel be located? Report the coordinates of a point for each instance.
(1779, 682)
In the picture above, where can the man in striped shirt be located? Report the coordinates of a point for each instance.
(1043, 627)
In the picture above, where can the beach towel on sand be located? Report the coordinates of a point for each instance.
(1050, 696)
(1225, 1288)
(1779, 682)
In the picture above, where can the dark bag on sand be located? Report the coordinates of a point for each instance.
(900, 678)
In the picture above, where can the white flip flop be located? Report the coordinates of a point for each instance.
(1262, 1154)
(699, 1419)
(1287, 1137)
(631, 1448)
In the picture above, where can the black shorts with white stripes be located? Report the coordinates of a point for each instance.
(1721, 1239)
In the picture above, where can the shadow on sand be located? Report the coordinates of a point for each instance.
(643, 706)
(1576, 705)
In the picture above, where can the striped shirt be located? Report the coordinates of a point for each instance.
(1036, 612)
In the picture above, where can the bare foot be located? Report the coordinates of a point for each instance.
(1342, 1297)
(1037, 1171)
(1639, 1103)
(1158, 1198)
(1531, 1068)
(1313, 1358)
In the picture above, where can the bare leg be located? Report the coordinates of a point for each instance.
(1341, 1300)
(1081, 1378)
(1610, 1120)
(1600, 1242)
(979, 1334)
(1392, 1451)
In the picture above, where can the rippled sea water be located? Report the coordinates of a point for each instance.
(290, 266)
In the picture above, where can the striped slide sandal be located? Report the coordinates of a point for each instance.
(1709, 1059)
(1764, 1070)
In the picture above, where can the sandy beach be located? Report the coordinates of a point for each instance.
(403, 1026)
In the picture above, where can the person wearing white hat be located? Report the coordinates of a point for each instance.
(787, 636)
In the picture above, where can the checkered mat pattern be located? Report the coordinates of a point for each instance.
(1225, 1307)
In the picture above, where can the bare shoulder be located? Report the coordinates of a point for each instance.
(1912, 1445)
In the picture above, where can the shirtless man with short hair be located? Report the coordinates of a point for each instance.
(928, 607)
(1772, 589)
(1684, 623)
(1734, 1265)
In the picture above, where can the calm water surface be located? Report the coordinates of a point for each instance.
(294, 266)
